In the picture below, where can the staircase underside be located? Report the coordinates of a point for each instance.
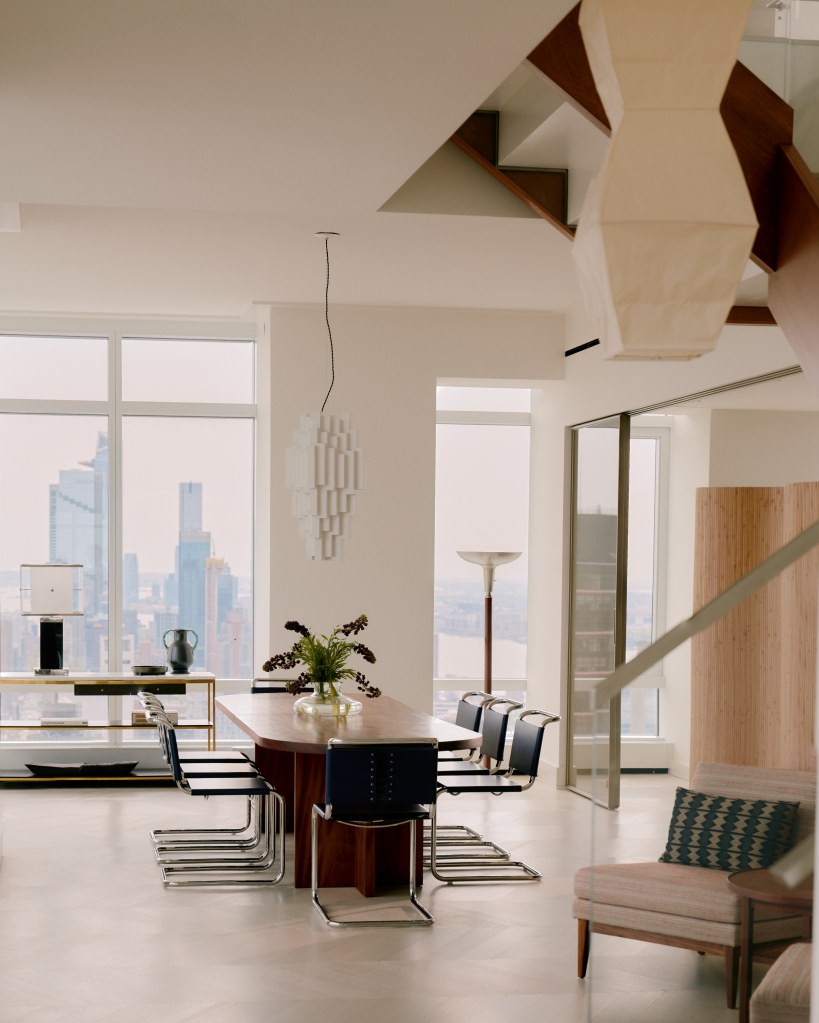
(784, 193)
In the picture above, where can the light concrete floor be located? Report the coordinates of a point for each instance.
(88, 933)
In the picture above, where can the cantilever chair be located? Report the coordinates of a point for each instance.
(267, 844)
(468, 715)
(524, 760)
(151, 702)
(377, 784)
(495, 711)
(170, 838)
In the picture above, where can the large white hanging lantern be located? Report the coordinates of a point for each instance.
(325, 470)
(325, 466)
(668, 224)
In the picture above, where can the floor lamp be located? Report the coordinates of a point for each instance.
(489, 561)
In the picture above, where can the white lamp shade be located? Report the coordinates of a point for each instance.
(489, 561)
(51, 590)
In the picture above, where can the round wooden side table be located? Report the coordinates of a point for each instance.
(763, 888)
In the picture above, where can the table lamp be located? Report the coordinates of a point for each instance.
(51, 593)
(489, 561)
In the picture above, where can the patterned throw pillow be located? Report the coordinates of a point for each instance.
(726, 833)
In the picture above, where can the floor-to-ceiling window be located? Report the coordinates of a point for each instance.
(481, 504)
(131, 454)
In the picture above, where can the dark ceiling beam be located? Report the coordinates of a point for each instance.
(544, 191)
(792, 290)
(751, 316)
(561, 57)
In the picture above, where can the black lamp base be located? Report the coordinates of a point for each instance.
(51, 647)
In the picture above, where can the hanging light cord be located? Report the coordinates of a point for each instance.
(327, 321)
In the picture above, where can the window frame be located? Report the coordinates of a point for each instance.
(114, 409)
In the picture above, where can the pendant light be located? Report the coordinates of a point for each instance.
(325, 465)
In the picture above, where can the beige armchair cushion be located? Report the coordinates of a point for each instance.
(784, 994)
(671, 899)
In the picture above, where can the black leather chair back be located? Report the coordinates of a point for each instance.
(495, 725)
(380, 776)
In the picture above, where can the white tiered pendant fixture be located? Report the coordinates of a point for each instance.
(325, 466)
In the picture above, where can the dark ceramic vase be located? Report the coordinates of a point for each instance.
(180, 652)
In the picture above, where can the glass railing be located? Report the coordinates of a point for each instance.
(781, 47)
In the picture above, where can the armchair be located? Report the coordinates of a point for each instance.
(686, 906)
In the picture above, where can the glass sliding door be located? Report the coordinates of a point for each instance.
(600, 466)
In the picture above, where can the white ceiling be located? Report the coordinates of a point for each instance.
(176, 157)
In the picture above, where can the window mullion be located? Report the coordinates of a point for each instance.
(115, 504)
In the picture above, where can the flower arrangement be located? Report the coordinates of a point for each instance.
(325, 660)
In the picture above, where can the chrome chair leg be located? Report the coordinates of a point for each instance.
(202, 842)
(271, 817)
(200, 834)
(486, 865)
(425, 918)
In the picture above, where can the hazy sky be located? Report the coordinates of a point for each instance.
(481, 501)
(158, 455)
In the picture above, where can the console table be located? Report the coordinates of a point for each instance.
(108, 684)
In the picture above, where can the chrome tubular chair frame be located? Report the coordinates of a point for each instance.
(377, 784)
(262, 853)
(496, 712)
(171, 838)
(524, 760)
(218, 871)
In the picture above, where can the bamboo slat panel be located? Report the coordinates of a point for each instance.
(735, 664)
(800, 605)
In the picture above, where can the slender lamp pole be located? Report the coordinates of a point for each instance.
(489, 561)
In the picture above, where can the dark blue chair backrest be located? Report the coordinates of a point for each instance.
(468, 715)
(495, 725)
(380, 775)
(524, 757)
(173, 753)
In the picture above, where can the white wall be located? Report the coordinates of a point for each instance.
(387, 363)
(763, 449)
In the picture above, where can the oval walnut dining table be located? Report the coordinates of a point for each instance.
(290, 752)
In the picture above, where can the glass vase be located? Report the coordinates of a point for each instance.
(327, 700)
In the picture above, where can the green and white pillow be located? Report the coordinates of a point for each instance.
(726, 833)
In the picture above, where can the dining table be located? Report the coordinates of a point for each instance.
(290, 751)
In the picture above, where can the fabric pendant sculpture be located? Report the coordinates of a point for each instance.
(668, 223)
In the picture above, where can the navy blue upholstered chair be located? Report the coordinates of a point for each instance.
(377, 784)
(259, 855)
(518, 776)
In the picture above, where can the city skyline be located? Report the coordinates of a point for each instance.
(197, 591)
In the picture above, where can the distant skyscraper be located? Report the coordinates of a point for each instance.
(78, 534)
(190, 507)
(192, 554)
